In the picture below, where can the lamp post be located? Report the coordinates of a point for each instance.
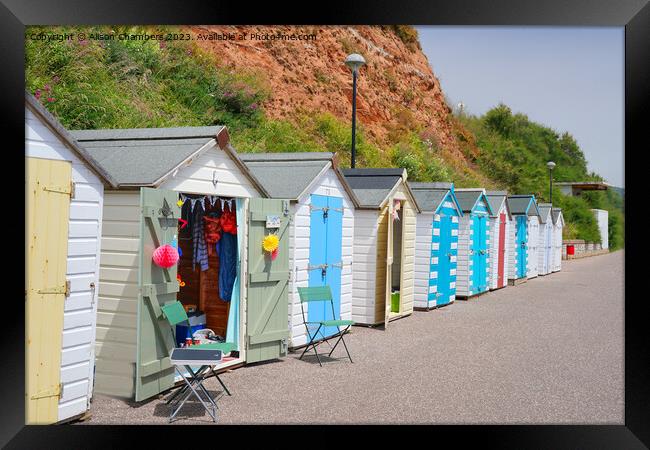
(551, 166)
(354, 62)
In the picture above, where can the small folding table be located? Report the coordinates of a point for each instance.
(206, 359)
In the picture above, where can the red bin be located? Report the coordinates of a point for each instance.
(570, 250)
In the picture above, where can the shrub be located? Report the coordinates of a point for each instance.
(408, 35)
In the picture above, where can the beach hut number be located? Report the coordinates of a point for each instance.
(272, 221)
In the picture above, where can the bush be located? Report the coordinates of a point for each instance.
(135, 84)
(408, 35)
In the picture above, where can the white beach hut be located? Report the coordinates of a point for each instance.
(384, 245)
(500, 238)
(473, 271)
(156, 171)
(321, 231)
(545, 248)
(436, 244)
(558, 225)
(525, 236)
(64, 199)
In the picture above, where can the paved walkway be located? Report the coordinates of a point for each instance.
(547, 351)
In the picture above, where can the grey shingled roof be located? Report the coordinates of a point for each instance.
(519, 203)
(467, 199)
(555, 213)
(142, 156)
(428, 196)
(65, 135)
(496, 199)
(544, 211)
(372, 186)
(286, 175)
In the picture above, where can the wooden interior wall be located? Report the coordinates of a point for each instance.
(202, 288)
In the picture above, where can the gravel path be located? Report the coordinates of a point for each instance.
(547, 351)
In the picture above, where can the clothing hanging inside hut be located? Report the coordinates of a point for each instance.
(227, 265)
(200, 250)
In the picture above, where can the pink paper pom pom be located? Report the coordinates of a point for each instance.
(165, 256)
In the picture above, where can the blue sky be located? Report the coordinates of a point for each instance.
(570, 79)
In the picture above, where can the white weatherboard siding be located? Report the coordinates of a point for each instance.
(365, 266)
(117, 304)
(464, 268)
(197, 177)
(545, 242)
(85, 225)
(512, 248)
(329, 185)
(423, 232)
(533, 247)
(557, 246)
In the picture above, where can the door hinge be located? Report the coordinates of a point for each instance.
(61, 189)
(64, 289)
(56, 391)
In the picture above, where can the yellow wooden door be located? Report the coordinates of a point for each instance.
(48, 192)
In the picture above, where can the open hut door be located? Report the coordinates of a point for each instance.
(389, 264)
(48, 193)
(267, 327)
(155, 340)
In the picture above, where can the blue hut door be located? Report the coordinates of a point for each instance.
(444, 262)
(325, 257)
(476, 254)
(521, 246)
(479, 264)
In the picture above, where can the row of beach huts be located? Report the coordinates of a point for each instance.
(99, 202)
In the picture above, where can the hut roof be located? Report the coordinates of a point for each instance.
(468, 198)
(521, 204)
(497, 200)
(147, 156)
(289, 175)
(556, 213)
(544, 212)
(372, 187)
(430, 196)
(68, 139)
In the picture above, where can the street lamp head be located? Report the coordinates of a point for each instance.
(354, 62)
(550, 165)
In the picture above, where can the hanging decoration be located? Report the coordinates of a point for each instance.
(396, 207)
(270, 244)
(181, 283)
(165, 256)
